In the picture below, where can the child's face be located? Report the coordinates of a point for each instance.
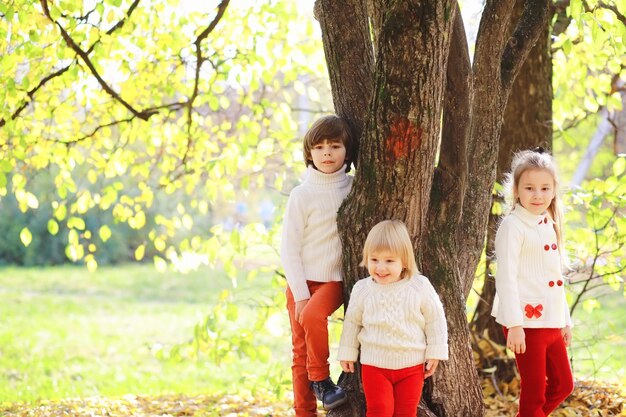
(535, 190)
(328, 156)
(385, 267)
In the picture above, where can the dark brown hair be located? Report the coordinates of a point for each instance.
(332, 128)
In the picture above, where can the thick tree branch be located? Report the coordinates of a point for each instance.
(457, 105)
(533, 19)
(492, 35)
(350, 58)
(450, 179)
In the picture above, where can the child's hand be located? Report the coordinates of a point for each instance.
(516, 340)
(299, 308)
(347, 366)
(431, 367)
(566, 332)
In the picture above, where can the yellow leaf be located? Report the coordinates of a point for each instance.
(140, 252)
(26, 237)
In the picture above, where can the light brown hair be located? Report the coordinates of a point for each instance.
(536, 158)
(391, 236)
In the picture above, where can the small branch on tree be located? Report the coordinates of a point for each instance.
(119, 24)
(59, 72)
(199, 61)
(144, 114)
(32, 92)
(614, 9)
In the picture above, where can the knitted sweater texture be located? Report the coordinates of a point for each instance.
(310, 247)
(396, 325)
(529, 284)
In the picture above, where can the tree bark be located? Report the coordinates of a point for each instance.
(527, 123)
(444, 208)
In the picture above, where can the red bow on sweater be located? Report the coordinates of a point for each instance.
(533, 311)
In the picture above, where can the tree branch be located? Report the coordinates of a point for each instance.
(349, 54)
(119, 24)
(32, 92)
(614, 9)
(492, 34)
(59, 72)
(144, 115)
(534, 18)
(199, 61)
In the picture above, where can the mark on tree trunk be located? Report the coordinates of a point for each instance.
(404, 137)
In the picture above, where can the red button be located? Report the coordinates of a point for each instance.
(559, 283)
(551, 283)
(545, 220)
(540, 221)
(554, 246)
(547, 247)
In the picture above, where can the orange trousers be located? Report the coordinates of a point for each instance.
(309, 338)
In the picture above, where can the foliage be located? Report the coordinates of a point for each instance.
(150, 114)
(602, 400)
(145, 406)
(588, 61)
(597, 237)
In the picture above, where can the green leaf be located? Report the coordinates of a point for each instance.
(619, 166)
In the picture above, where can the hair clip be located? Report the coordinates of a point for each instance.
(539, 149)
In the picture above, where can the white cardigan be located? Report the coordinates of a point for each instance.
(310, 248)
(396, 325)
(529, 283)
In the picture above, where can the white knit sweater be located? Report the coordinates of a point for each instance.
(396, 325)
(310, 248)
(529, 284)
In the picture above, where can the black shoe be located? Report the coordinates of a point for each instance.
(328, 393)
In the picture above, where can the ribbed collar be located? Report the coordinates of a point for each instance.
(528, 217)
(389, 287)
(315, 177)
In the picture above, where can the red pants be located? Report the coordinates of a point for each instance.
(309, 338)
(392, 392)
(545, 374)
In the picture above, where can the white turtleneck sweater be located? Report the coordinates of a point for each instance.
(310, 248)
(529, 284)
(396, 325)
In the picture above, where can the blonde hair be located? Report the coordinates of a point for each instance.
(331, 128)
(391, 236)
(526, 160)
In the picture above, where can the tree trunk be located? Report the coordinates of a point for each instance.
(527, 123)
(445, 209)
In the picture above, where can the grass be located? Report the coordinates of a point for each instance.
(67, 333)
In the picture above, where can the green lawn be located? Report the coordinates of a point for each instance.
(67, 333)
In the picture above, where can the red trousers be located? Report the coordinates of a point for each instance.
(392, 392)
(545, 374)
(309, 338)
